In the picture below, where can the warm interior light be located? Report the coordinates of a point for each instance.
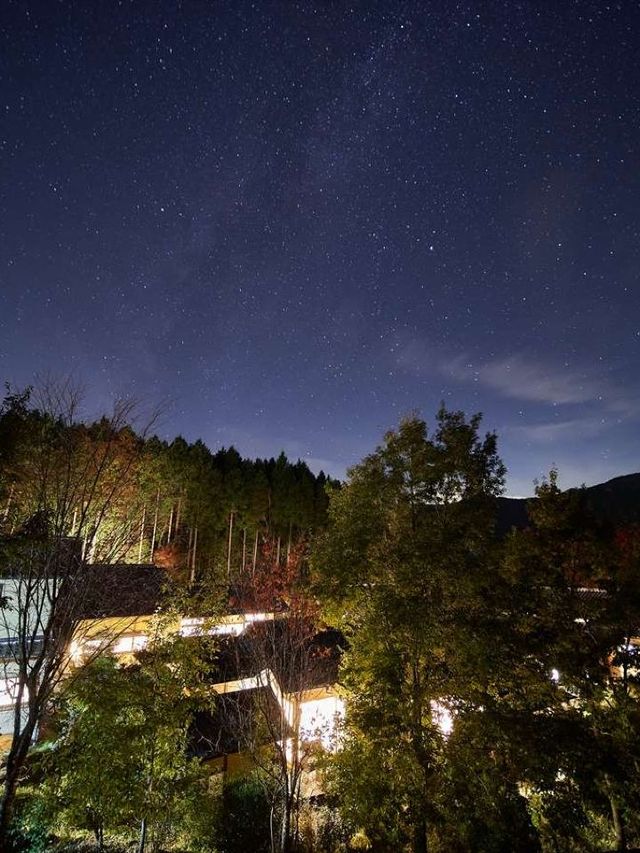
(320, 719)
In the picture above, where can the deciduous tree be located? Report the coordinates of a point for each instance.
(66, 485)
(406, 571)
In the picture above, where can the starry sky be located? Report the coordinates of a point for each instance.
(290, 223)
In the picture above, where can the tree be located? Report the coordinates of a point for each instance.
(91, 769)
(405, 569)
(120, 756)
(67, 486)
(575, 611)
(283, 656)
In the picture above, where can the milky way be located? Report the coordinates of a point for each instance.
(297, 222)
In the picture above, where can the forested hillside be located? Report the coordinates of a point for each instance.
(615, 502)
(179, 504)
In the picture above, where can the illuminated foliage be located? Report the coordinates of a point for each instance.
(405, 569)
(119, 761)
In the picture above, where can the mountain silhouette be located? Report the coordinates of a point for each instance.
(617, 501)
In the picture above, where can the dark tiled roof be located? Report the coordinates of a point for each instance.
(121, 589)
(299, 662)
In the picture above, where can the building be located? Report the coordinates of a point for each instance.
(116, 611)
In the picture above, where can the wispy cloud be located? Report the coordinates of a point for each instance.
(533, 381)
(530, 380)
(559, 430)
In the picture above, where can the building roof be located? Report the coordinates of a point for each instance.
(122, 590)
(299, 657)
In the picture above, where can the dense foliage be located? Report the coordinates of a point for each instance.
(490, 678)
(184, 506)
(491, 683)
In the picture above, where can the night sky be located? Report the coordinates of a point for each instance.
(298, 221)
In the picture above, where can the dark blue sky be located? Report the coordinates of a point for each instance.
(300, 220)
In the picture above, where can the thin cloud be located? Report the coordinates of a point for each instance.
(517, 377)
(514, 376)
(558, 430)
(532, 381)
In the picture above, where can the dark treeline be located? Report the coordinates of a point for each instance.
(185, 507)
(210, 509)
